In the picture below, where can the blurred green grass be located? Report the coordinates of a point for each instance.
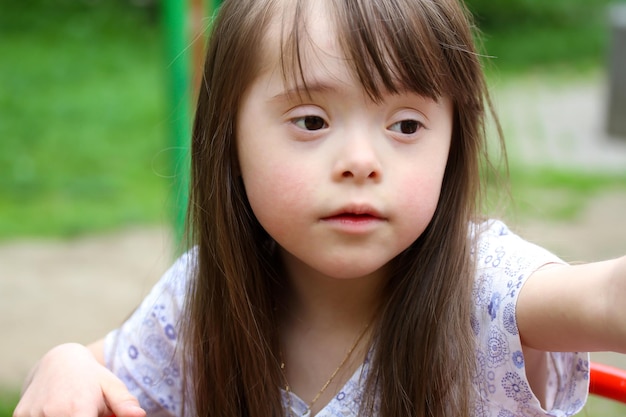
(82, 111)
(602, 407)
(8, 400)
(547, 193)
(82, 119)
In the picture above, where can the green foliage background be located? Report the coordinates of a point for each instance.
(82, 120)
(498, 15)
(83, 123)
(528, 35)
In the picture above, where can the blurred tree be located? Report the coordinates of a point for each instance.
(501, 14)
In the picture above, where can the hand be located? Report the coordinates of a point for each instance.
(70, 382)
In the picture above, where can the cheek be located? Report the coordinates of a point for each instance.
(277, 192)
(419, 202)
(278, 182)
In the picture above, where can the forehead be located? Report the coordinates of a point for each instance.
(301, 37)
(402, 48)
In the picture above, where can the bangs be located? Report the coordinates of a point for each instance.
(395, 45)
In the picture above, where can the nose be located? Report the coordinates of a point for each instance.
(358, 160)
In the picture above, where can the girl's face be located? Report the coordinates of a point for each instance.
(342, 183)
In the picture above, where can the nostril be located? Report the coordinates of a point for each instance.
(349, 174)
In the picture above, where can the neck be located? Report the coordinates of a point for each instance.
(323, 301)
(326, 329)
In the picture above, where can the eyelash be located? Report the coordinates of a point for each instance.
(305, 121)
(312, 123)
(414, 126)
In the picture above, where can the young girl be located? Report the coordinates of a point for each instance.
(339, 264)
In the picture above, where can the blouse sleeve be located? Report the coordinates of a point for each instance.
(142, 352)
(504, 262)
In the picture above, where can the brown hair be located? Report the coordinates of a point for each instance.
(424, 356)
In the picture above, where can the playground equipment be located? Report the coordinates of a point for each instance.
(183, 24)
(607, 382)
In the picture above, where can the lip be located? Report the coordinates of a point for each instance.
(355, 218)
(356, 211)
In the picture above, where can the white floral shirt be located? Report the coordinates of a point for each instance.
(142, 352)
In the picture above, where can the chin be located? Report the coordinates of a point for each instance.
(350, 272)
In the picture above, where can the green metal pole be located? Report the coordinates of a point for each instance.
(178, 54)
(179, 102)
(213, 6)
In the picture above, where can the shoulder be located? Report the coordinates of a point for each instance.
(143, 351)
(504, 262)
(176, 279)
(160, 311)
(498, 251)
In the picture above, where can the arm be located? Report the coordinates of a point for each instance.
(71, 380)
(575, 308)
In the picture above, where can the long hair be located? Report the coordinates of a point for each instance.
(424, 351)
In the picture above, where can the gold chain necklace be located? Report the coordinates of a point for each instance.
(327, 383)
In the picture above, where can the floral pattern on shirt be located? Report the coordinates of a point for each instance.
(142, 352)
(504, 263)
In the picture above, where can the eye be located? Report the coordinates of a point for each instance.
(407, 127)
(310, 123)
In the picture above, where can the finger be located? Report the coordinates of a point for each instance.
(119, 400)
(129, 408)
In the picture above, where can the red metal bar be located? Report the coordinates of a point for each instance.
(608, 382)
